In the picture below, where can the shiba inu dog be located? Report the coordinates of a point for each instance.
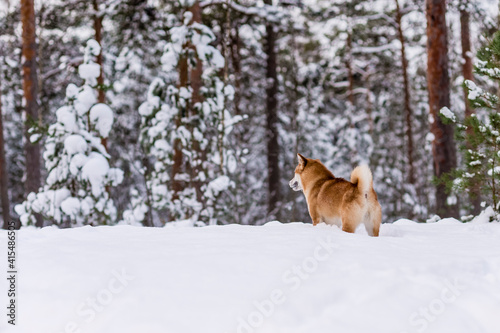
(335, 200)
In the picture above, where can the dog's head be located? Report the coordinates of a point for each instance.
(296, 182)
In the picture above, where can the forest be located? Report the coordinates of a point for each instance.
(145, 112)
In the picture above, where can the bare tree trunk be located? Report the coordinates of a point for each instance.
(101, 97)
(4, 180)
(30, 87)
(197, 71)
(273, 167)
(408, 109)
(350, 75)
(438, 82)
(193, 78)
(196, 97)
(475, 195)
(236, 61)
(177, 185)
(98, 37)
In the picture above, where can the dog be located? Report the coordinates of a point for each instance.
(335, 200)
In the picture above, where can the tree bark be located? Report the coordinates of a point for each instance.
(4, 180)
(273, 168)
(475, 195)
(438, 82)
(407, 98)
(236, 62)
(101, 98)
(101, 95)
(196, 97)
(189, 77)
(177, 185)
(30, 87)
(350, 75)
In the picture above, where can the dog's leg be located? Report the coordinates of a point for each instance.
(348, 223)
(352, 216)
(348, 226)
(315, 217)
(316, 220)
(376, 219)
(369, 227)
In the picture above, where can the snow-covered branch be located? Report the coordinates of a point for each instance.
(266, 12)
(75, 62)
(374, 49)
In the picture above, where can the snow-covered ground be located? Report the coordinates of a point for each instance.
(440, 277)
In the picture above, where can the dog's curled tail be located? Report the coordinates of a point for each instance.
(362, 177)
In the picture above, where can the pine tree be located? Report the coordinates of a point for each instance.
(30, 87)
(443, 145)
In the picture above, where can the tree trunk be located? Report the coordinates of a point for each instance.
(475, 196)
(196, 97)
(236, 61)
(407, 98)
(189, 77)
(197, 71)
(438, 82)
(30, 87)
(350, 75)
(4, 180)
(101, 97)
(177, 185)
(273, 167)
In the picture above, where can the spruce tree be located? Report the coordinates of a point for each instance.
(171, 116)
(79, 176)
(479, 133)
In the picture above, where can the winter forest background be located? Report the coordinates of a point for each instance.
(150, 111)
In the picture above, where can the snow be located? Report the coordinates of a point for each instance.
(474, 90)
(448, 114)
(93, 47)
(85, 99)
(77, 162)
(66, 118)
(293, 278)
(496, 170)
(89, 72)
(95, 170)
(75, 144)
(35, 137)
(218, 185)
(70, 207)
(101, 116)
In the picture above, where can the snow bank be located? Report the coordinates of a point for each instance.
(281, 278)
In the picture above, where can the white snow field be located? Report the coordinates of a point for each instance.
(440, 277)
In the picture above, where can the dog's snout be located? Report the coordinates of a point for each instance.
(293, 183)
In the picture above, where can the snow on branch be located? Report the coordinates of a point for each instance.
(75, 62)
(267, 12)
(364, 19)
(383, 16)
(375, 49)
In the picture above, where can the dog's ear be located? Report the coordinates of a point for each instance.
(302, 160)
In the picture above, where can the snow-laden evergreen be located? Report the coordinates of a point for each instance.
(169, 117)
(76, 190)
